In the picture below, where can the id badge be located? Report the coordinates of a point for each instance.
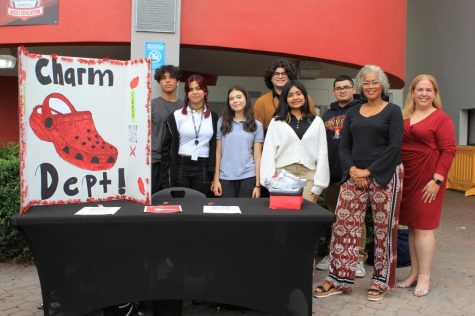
(194, 156)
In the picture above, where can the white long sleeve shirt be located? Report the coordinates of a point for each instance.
(282, 147)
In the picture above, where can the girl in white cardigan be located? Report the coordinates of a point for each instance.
(296, 141)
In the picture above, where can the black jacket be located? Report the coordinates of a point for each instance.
(333, 119)
(170, 145)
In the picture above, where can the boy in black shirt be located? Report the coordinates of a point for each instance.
(343, 88)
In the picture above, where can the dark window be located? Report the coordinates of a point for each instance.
(471, 127)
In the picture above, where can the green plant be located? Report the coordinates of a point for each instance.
(12, 244)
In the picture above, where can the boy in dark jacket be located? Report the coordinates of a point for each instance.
(343, 88)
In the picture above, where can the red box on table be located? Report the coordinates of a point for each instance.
(286, 200)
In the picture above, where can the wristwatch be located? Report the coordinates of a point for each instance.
(437, 181)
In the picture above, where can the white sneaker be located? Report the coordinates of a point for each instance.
(360, 271)
(324, 264)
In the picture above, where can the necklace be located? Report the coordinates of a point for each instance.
(197, 130)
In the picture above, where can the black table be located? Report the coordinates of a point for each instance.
(261, 259)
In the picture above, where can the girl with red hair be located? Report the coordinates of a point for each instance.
(189, 145)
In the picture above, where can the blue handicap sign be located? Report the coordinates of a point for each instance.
(156, 52)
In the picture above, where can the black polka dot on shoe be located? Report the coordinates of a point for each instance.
(48, 122)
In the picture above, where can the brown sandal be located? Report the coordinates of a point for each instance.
(320, 292)
(376, 294)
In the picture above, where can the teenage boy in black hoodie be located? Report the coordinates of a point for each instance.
(343, 88)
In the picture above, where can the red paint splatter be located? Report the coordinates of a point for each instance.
(134, 82)
(132, 151)
(141, 185)
(67, 59)
(27, 53)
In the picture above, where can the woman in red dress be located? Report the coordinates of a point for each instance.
(427, 152)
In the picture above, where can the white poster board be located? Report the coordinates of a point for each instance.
(84, 129)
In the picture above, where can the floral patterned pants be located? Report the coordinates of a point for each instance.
(346, 232)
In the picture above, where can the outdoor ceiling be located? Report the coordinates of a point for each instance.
(208, 61)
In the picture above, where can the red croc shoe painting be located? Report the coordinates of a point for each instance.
(72, 133)
(85, 129)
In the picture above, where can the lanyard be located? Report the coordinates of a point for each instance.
(197, 131)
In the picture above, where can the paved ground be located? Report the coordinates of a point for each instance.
(452, 292)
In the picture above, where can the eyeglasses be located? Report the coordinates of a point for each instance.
(343, 89)
(279, 74)
(369, 84)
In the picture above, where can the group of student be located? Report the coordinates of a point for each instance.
(193, 148)
(365, 151)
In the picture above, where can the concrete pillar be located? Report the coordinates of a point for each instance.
(171, 40)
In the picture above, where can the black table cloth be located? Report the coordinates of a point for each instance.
(261, 259)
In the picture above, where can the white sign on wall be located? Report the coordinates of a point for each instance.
(84, 129)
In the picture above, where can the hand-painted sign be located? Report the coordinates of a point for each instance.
(80, 119)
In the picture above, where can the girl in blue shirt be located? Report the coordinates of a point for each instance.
(239, 141)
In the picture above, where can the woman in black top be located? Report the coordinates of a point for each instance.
(370, 150)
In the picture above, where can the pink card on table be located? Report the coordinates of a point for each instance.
(163, 209)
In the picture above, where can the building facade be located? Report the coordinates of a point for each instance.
(230, 41)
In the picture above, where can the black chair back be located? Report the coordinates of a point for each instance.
(176, 192)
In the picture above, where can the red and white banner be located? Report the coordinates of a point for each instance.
(84, 129)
